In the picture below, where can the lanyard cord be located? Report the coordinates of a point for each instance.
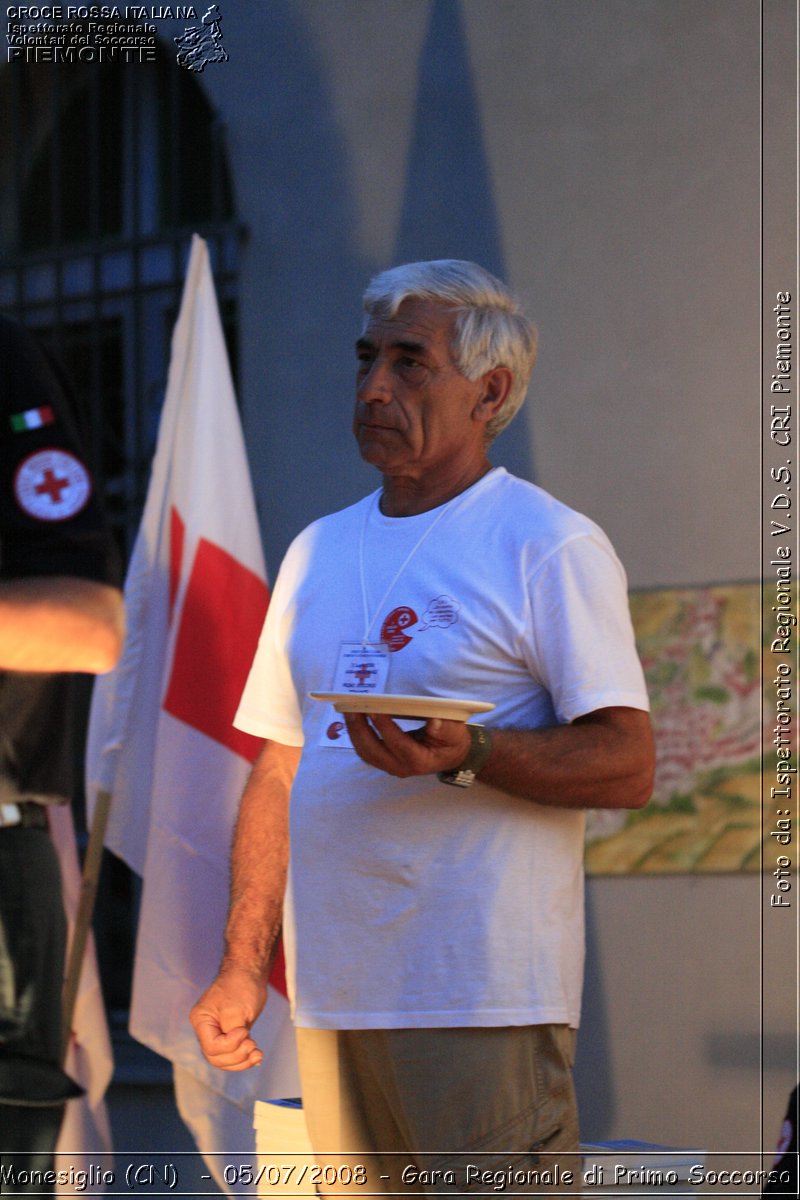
(368, 623)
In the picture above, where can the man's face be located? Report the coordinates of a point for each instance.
(414, 409)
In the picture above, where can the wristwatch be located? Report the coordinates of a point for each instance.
(477, 758)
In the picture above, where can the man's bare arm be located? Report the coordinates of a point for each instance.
(605, 759)
(60, 623)
(223, 1016)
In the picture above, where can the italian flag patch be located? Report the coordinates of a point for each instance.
(33, 418)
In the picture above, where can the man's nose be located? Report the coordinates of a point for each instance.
(375, 383)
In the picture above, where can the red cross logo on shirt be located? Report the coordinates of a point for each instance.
(52, 485)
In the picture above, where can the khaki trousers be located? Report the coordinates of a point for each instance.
(441, 1111)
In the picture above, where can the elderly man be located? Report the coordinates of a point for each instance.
(434, 934)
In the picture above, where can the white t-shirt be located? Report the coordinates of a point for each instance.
(411, 903)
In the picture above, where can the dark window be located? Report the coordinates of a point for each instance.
(105, 172)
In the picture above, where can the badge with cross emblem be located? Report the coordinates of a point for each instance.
(52, 485)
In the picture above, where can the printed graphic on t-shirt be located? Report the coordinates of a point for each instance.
(398, 629)
(393, 629)
(363, 667)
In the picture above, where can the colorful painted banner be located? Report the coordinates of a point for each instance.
(700, 648)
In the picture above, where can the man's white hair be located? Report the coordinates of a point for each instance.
(490, 328)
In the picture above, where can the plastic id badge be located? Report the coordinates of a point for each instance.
(362, 667)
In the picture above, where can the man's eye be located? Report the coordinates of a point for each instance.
(410, 366)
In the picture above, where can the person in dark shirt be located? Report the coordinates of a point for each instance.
(60, 612)
(783, 1180)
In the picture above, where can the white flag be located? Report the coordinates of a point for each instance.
(161, 738)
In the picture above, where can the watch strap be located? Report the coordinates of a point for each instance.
(477, 756)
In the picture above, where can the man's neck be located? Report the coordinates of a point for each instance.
(404, 496)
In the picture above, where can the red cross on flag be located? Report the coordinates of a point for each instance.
(161, 738)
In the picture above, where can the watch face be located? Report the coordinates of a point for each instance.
(457, 778)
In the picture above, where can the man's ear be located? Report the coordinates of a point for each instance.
(497, 384)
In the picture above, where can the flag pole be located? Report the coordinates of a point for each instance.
(83, 916)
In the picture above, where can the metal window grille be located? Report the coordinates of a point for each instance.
(105, 172)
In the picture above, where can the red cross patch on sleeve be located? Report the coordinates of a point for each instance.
(52, 485)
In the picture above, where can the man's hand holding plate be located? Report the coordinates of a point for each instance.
(439, 745)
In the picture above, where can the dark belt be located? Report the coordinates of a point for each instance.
(27, 814)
